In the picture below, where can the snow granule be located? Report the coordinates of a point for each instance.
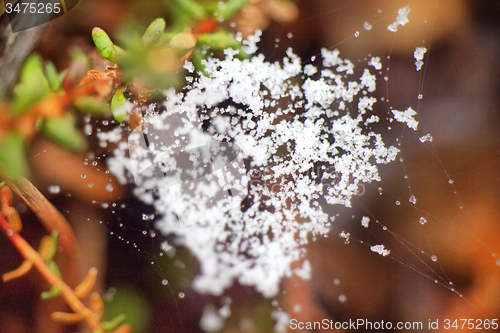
(282, 321)
(419, 56)
(401, 19)
(211, 321)
(406, 117)
(189, 66)
(380, 249)
(375, 62)
(427, 137)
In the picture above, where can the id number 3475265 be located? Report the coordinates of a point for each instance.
(471, 324)
(33, 8)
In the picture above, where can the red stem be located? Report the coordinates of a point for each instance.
(67, 293)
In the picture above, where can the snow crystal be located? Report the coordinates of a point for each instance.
(189, 66)
(310, 70)
(282, 321)
(87, 129)
(225, 311)
(406, 117)
(380, 249)
(372, 119)
(401, 19)
(305, 271)
(250, 44)
(375, 62)
(54, 189)
(419, 56)
(346, 236)
(427, 137)
(112, 136)
(211, 320)
(368, 80)
(365, 221)
(412, 199)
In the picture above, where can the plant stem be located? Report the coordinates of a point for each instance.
(67, 293)
(49, 216)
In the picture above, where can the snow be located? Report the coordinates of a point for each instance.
(406, 117)
(401, 19)
(380, 249)
(310, 70)
(188, 66)
(197, 177)
(345, 236)
(54, 189)
(282, 321)
(375, 62)
(365, 221)
(112, 136)
(250, 44)
(412, 199)
(419, 56)
(425, 138)
(211, 321)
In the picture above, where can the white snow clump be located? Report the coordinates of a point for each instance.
(380, 249)
(194, 158)
(419, 56)
(401, 19)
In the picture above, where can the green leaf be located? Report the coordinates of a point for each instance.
(47, 257)
(229, 9)
(114, 323)
(54, 268)
(104, 44)
(148, 65)
(13, 156)
(52, 293)
(55, 290)
(79, 57)
(62, 131)
(154, 32)
(166, 37)
(77, 69)
(119, 52)
(221, 40)
(134, 305)
(92, 106)
(118, 103)
(197, 60)
(32, 86)
(190, 8)
(54, 78)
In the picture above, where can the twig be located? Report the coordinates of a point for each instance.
(67, 293)
(49, 216)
